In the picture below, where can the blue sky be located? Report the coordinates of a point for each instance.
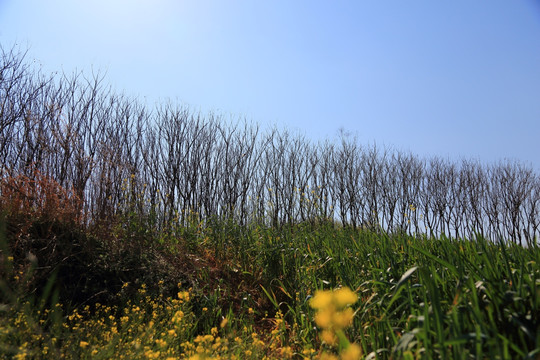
(457, 79)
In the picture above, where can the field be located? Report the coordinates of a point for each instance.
(159, 233)
(220, 290)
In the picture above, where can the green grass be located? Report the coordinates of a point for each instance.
(419, 297)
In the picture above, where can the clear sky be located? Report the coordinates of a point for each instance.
(458, 79)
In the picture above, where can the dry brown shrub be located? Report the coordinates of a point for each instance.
(43, 228)
(38, 196)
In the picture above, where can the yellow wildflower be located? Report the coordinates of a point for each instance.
(332, 310)
(353, 352)
(178, 316)
(286, 352)
(224, 323)
(329, 337)
(344, 297)
(321, 300)
(344, 318)
(183, 296)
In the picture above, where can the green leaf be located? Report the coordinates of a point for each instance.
(399, 286)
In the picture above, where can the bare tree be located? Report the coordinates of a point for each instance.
(171, 165)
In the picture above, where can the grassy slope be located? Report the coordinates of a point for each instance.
(419, 297)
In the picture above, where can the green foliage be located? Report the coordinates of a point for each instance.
(419, 297)
(165, 234)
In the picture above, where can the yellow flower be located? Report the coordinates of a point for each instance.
(152, 354)
(344, 297)
(329, 337)
(223, 323)
(161, 343)
(286, 352)
(21, 355)
(183, 295)
(321, 300)
(353, 352)
(178, 316)
(332, 310)
(83, 344)
(323, 319)
(344, 318)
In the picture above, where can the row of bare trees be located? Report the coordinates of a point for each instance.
(118, 155)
